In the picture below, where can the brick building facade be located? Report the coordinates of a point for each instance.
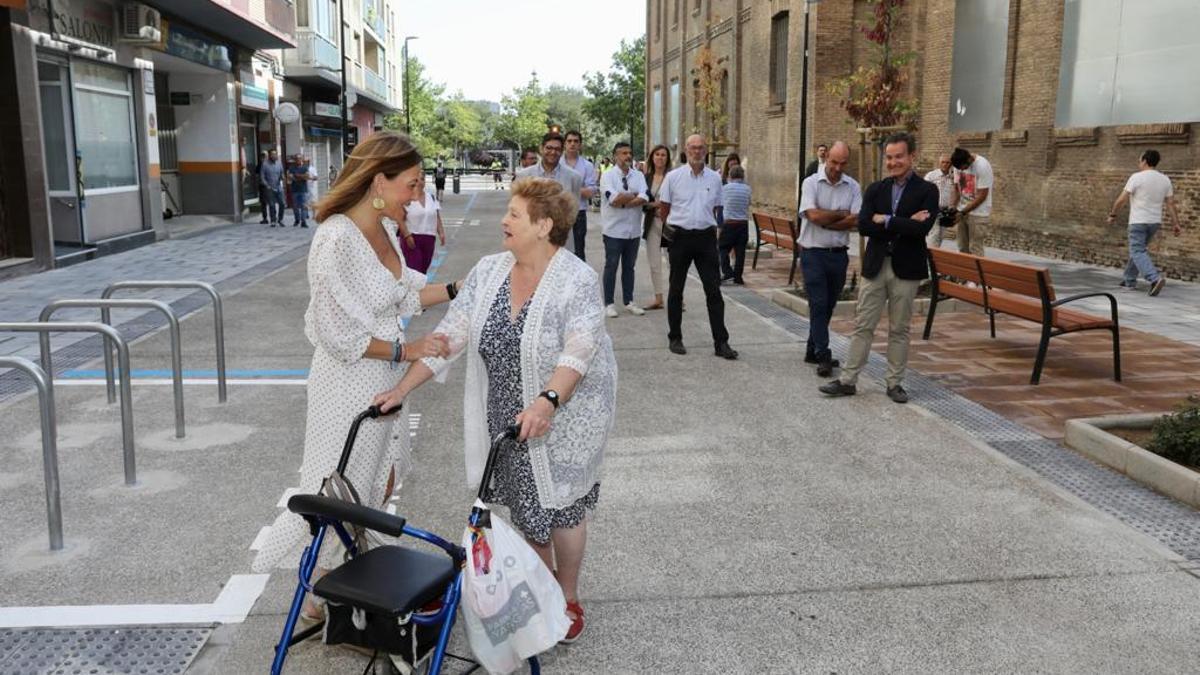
(1055, 181)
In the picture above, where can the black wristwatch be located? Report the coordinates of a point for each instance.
(552, 396)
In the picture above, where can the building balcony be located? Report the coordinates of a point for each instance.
(373, 18)
(375, 84)
(264, 24)
(316, 60)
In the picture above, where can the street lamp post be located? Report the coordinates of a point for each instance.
(803, 109)
(407, 116)
(342, 44)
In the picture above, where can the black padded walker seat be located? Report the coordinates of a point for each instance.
(389, 580)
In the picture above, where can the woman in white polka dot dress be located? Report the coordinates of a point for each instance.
(361, 292)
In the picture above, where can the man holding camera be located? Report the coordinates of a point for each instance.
(945, 178)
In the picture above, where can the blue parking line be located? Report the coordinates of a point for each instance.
(155, 373)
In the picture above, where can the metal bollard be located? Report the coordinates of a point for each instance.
(49, 444)
(44, 330)
(218, 320)
(172, 325)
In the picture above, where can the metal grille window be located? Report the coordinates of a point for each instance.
(779, 57)
(977, 71)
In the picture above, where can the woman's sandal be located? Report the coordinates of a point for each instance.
(576, 628)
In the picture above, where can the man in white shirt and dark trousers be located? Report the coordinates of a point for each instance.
(944, 177)
(829, 205)
(1146, 191)
(735, 197)
(622, 194)
(580, 165)
(690, 196)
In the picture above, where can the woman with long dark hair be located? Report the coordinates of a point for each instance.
(657, 166)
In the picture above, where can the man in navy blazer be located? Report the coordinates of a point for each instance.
(897, 214)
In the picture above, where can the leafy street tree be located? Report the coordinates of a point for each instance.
(617, 100)
(523, 116)
(565, 108)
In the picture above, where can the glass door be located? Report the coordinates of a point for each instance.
(61, 155)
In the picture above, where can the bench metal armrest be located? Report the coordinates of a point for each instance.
(337, 510)
(1112, 301)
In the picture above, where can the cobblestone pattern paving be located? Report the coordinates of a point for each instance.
(1175, 525)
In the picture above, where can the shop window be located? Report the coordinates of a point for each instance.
(104, 130)
(1129, 62)
(779, 58)
(54, 126)
(977, 73)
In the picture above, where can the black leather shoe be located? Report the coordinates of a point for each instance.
(836, 388)
(677, 347)
(897, 394)
(724, 351)
(825, 368)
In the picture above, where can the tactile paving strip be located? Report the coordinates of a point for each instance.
(85, 351)
(100, 651)
(1172, 523)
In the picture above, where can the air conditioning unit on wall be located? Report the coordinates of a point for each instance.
(140, 23)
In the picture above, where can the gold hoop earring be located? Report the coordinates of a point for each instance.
(378, 203)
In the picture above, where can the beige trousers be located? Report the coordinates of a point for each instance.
(898, 295)
(654, 256)
(972, 233)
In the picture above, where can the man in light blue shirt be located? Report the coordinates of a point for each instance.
(580, 165)
(551, 167)
(622, 194)
(735, 198)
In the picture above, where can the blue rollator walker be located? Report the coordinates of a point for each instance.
(388, 582)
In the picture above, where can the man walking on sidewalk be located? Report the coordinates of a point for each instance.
(829, 206)
(897, 214)
(580, 165)
(975, 183)
(1146, 191)
(689, 198)
(944, 177)
(271, 179)
(622, 193)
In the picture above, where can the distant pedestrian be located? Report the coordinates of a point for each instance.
(652, 224)
(829, 206)
(1146, 191)
(818, 163)
(897, 214)
(551, 166)
(735, 200)
(974, 187)
(731, 160)
(301, 175)
(262, 189)
(439, 179)
(423, 216)
(529, 157)
(944, 177)
(622, 194)
(497, 174)
(579, 164)
(271, 179)
(689, 198)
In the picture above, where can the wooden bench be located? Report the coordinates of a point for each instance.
(778, 231)
(1017, 290)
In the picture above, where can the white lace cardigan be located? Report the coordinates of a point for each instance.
(564, 327)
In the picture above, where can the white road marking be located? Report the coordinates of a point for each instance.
(166, 382)
(287, 494)
(231, 606)
(260, 538)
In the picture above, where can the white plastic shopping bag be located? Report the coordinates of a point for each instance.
(512, 606)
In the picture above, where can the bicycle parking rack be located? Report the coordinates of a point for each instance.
(49, 444)
(44, 329)
(218, 320)
(107, 304)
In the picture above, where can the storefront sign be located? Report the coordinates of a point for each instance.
(327, 109)
(85, 21)
(287, 113)
(255, 97)
(189, 45)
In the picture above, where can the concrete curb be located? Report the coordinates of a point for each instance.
(1088, 436)
(846, 308)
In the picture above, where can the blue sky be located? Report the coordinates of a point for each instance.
(561, 39)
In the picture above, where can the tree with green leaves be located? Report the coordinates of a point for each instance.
(523, 116)
(617, 99)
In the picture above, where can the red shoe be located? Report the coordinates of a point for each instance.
(576, 624)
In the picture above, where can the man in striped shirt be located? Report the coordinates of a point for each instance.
(735, 201)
